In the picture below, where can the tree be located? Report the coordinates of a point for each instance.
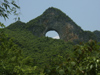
(12, 60)
(8, 7)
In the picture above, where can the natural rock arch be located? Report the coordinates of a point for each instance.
(54, 19)
(65, 31)
(52, 34)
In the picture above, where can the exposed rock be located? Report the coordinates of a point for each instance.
(55, 19)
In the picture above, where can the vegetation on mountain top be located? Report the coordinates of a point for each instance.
(97, 33)
(22, 53)
(28, 54)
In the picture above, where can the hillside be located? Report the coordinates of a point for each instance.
(26, 35)
(42, 49)
(97, 33)
(55, 19)
(26, 51)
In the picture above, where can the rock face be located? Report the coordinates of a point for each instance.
(54, 19)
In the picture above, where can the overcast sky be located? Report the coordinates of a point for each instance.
(85, 13)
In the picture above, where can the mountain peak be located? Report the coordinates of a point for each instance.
(55, 19)
(53, 11)
(55, 14)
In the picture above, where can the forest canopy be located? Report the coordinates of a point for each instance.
(22, 53)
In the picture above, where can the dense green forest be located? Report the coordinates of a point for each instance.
(22, 53)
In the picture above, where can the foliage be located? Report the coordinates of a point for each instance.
(8, 7)
(12, 61)
(97, 34)
(16, 26)
(84, 60)
(28, 54)
(56, 57)
(22, 53)
(46, 48)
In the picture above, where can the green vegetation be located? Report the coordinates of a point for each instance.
(41, 49)
(22, 53)
(97, 33)
(8, 7)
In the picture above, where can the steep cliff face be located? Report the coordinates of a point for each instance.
(55, 19)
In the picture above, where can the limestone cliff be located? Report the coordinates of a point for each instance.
(55, 19)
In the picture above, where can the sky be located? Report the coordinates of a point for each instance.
(85, 13)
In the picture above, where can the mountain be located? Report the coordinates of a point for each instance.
(55, 19)
(97, 34)
(44, 51)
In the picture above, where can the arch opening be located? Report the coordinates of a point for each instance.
(52, 34)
